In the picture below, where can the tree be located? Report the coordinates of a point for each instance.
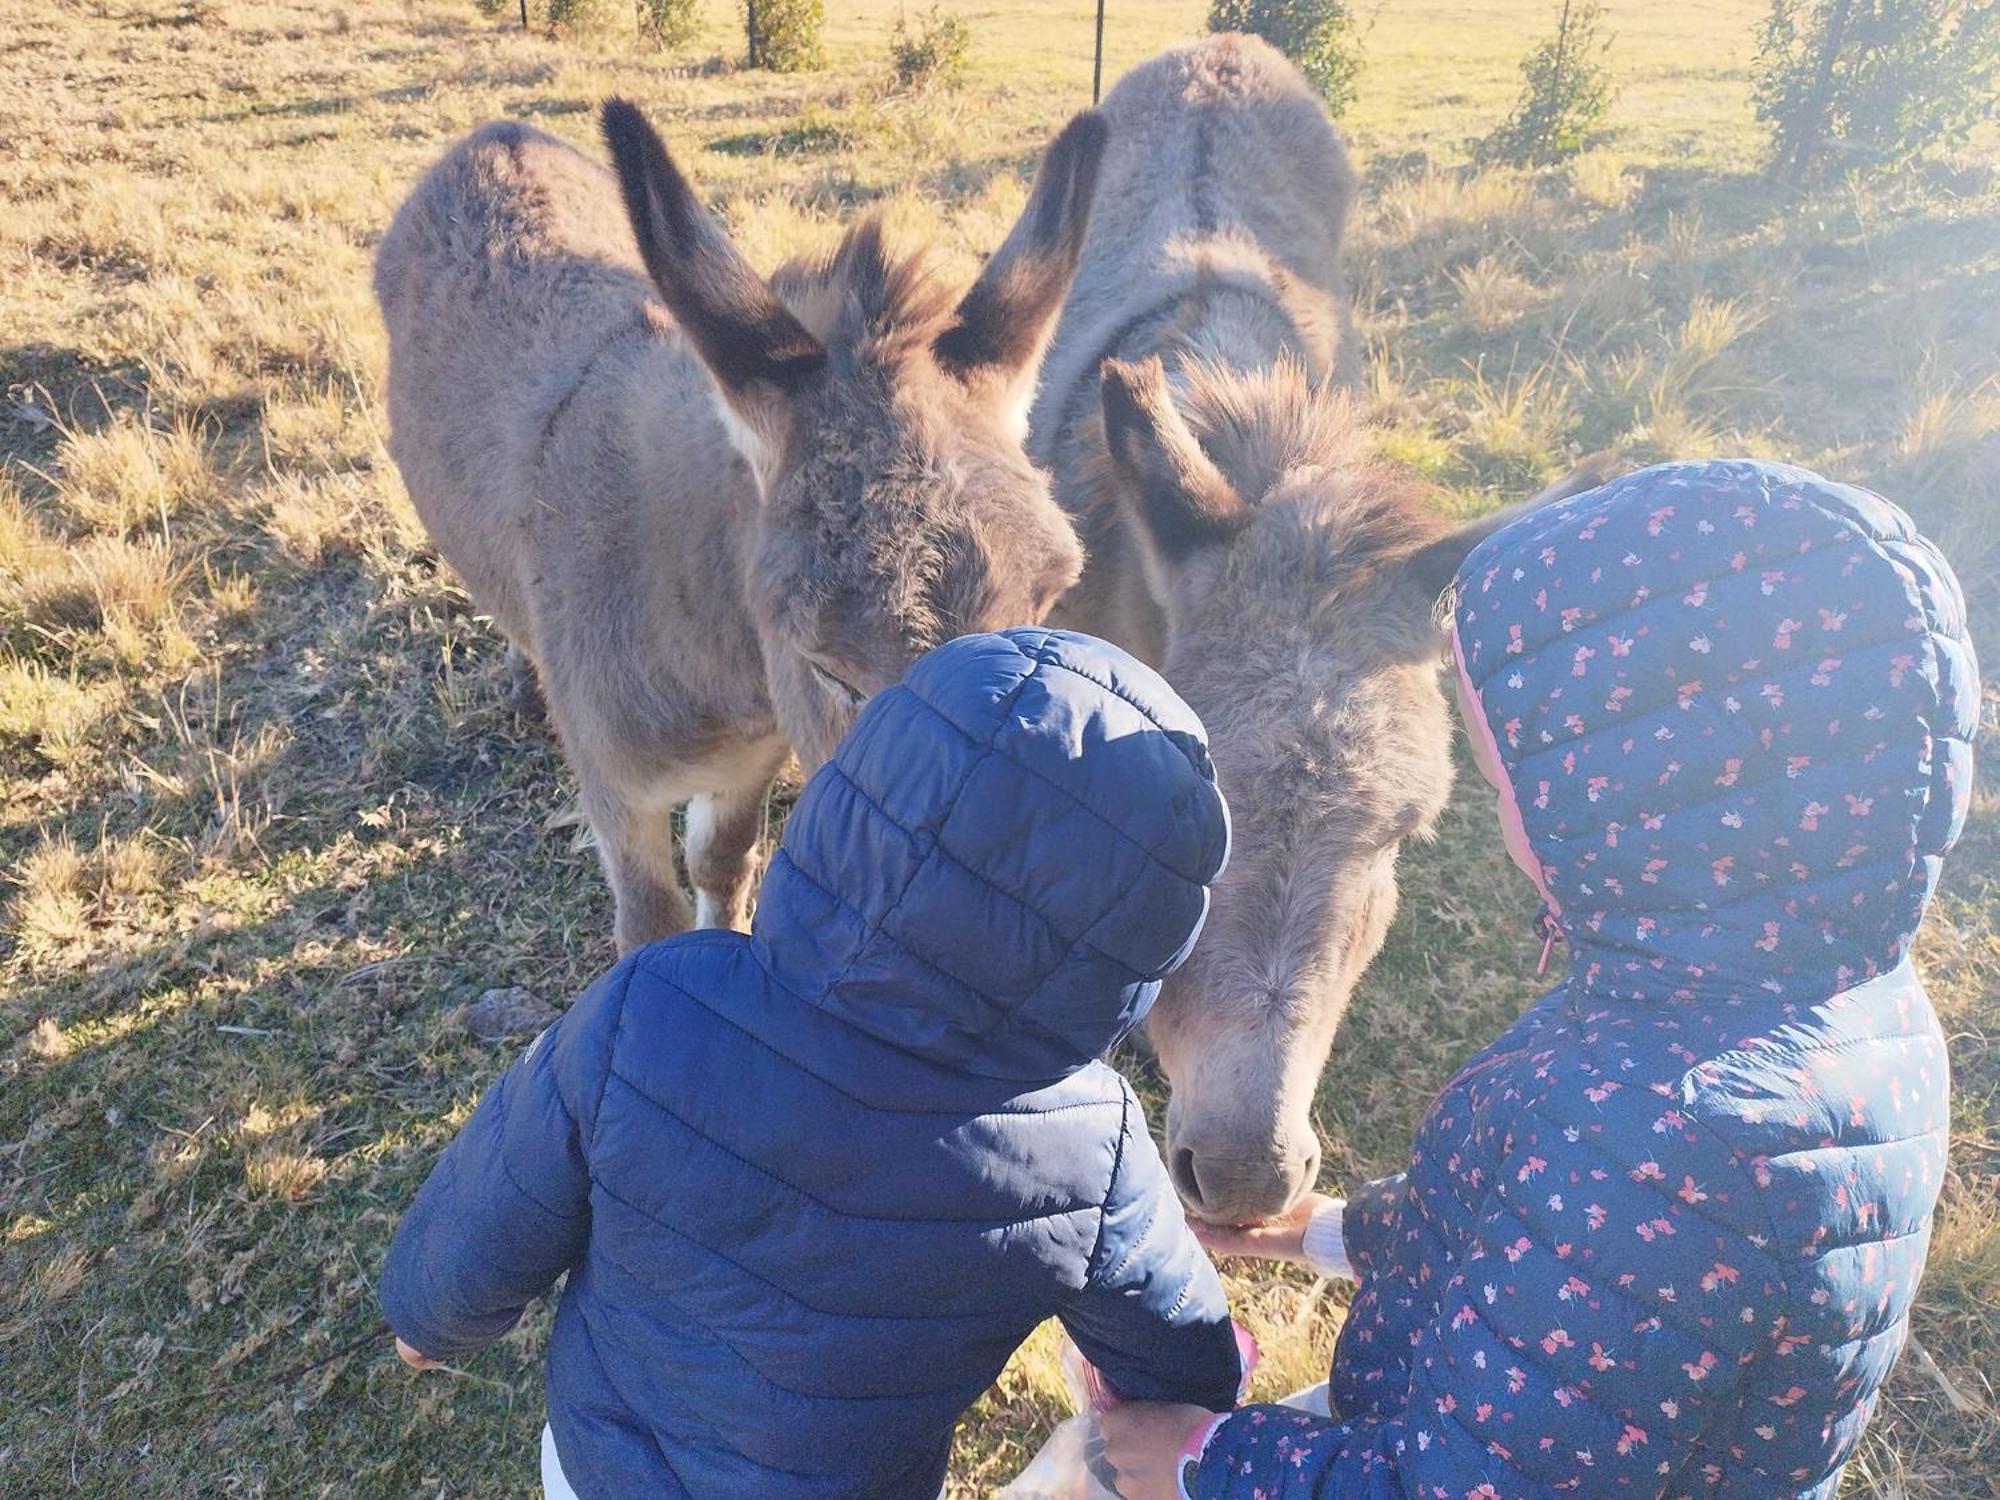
(783, 35)
(668, 23)
(1317, 35)
(1566, 93)
(931, 53)
(1875, 82)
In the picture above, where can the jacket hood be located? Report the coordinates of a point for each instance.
(1735, 703)
(1006, 854)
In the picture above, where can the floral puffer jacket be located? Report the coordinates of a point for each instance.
(1661, 1238)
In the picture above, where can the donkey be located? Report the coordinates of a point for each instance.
(1241, 539)
(716, 513)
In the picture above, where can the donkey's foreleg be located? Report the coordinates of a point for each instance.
(636, 842)
(723, 830)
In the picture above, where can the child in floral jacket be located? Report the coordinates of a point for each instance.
(1661, 1238)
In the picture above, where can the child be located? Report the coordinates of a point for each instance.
(1661, 1238)
(813, 1185)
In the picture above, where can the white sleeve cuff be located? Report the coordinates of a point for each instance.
(1325, 1245)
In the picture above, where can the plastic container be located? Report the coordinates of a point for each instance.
(1070, 1465)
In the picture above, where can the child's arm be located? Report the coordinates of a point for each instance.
(1533, 1372)
(1152, 1318)
(506, 1209)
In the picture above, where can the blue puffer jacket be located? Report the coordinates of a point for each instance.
(812, 1186)
(1662, 1237)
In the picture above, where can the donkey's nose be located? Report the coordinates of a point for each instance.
(1242, 1189)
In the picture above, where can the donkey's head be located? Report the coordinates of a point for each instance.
(1298, 581)
(882, 421)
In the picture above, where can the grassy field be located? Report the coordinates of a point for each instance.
(267, 816)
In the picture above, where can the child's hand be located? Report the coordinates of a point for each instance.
(1281, 1239)
(1145, 1441)
(414, 1359)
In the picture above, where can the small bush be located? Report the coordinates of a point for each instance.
(1317, 35)
(1877, 82)
(1565, 94)
(932, 54)
(574, 17)
(783, 35)
(668, 23)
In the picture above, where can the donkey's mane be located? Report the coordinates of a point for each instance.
(1260, 425)
(863, 298)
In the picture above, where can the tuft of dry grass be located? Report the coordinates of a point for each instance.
(128, 474)
(1603, 179)
(1445, 205)
(1509, 425)
(51, 712)
(50, 912)
(1493, 293)
(278, 1161)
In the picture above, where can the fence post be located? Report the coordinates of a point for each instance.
(1097, 63)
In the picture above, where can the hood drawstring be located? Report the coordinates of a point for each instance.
(1548, 929)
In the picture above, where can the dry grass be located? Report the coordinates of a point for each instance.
(266, 815)
(1492, 292)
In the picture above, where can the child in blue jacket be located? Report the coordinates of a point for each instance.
(812, 1186)
(1661, 1238)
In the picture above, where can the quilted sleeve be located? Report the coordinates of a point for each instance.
(1533, 1373)
(1369, 1222)
(506, 1210)
(1152, 1318)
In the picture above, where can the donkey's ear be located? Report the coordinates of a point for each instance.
(1432, 567)
(757, 351)
(1182, 501)
(1004, 321)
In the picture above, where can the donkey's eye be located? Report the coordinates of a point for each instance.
(843, 692)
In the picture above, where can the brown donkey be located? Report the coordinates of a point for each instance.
(715, 512)
(1241, 540)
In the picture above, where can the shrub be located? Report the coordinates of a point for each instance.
(783, 35)
(668, 23)
(1879, 80)
(1317, 35)
(1565, 94)
(934, 53)
(574, 17)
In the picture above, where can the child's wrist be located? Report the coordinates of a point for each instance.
(1325, 1240)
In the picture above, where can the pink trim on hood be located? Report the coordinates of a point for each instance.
(1512, 829)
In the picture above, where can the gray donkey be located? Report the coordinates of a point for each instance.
(715, 512)
(1242, 540)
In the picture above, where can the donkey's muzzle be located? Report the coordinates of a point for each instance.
(1241, 1189)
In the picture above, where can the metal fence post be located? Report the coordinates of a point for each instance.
(1097, 64)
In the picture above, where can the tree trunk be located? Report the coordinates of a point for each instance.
(1805, 142)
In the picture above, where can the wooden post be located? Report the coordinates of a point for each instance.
(1097, 65)
(750, 32)
(524, 15)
